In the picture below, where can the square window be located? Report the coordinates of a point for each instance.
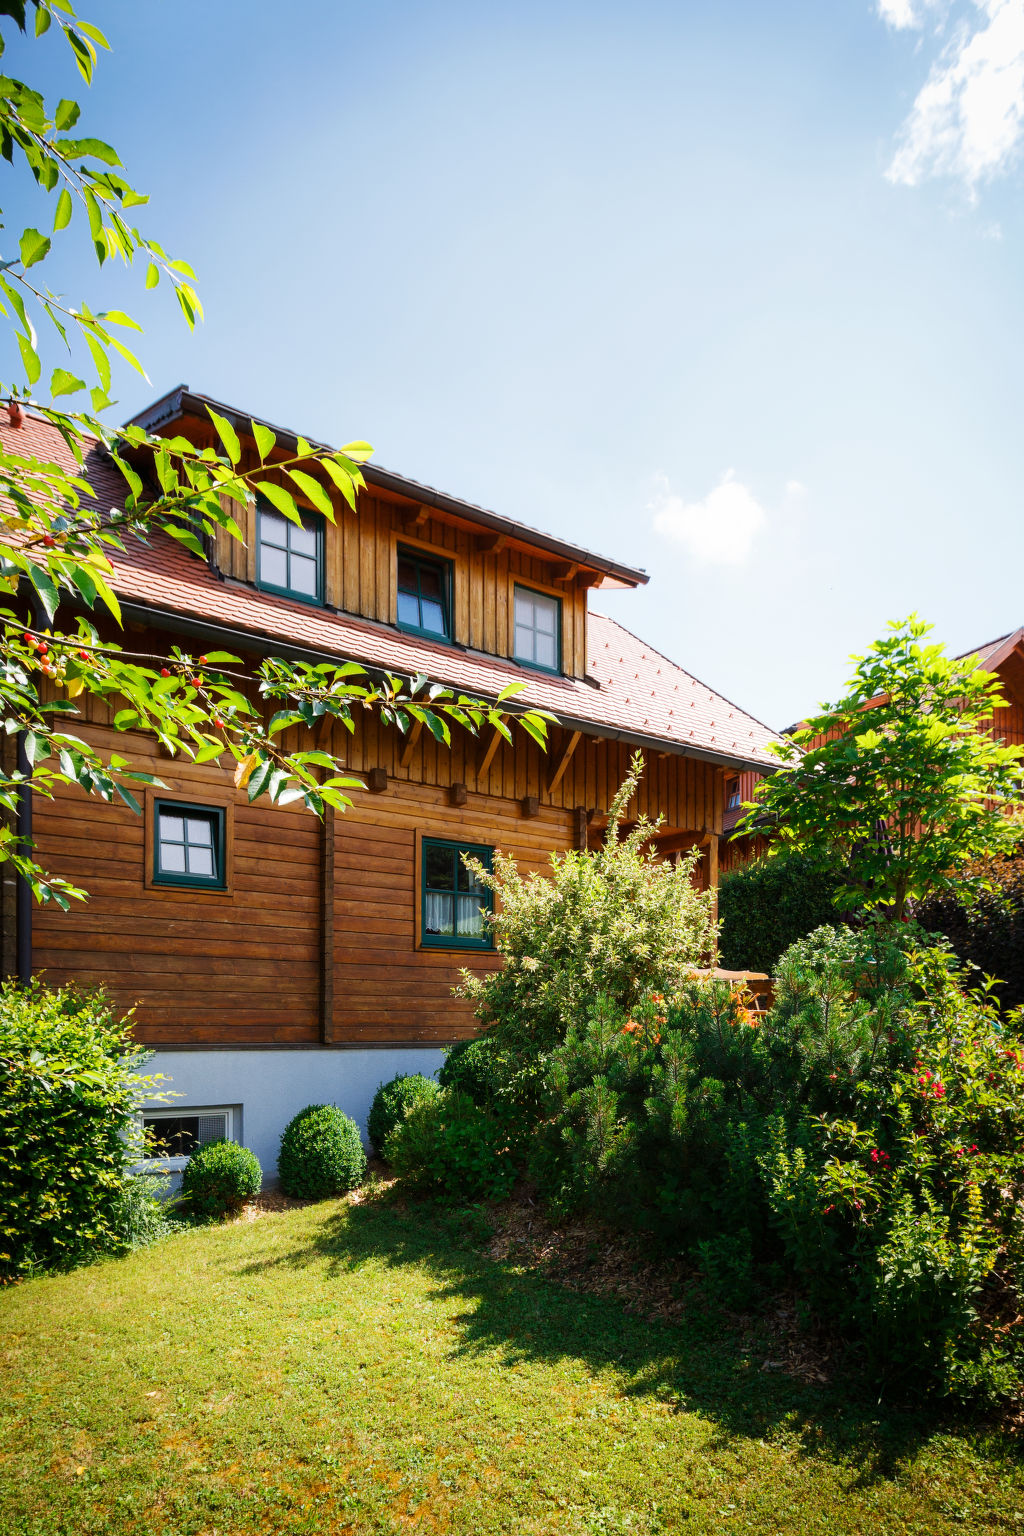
(424, 594)
(188, 845)
(290, 559)
(538, 623)
(454, 904)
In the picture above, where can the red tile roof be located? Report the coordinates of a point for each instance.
(632, 691)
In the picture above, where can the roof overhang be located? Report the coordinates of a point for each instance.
(182, 402)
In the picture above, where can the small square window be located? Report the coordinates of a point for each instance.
(290, 559)
(424, 594)
(188, 845)
(454, 903)
(538, 624)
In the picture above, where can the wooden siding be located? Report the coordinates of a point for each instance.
(315, 940)
(361, 574)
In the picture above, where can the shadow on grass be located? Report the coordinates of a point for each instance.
(700, 1364)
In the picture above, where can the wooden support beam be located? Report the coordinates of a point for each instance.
(413, 518)
(530, 805)
(563, 761)
(327, 927)
(490, 543)
(564, 572)
(377, 780)
(458, 794)
(410, 744)
(579, 828)
(488, 756)
(588, 578)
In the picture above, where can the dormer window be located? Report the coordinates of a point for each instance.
(424, 594)
(538, 625)
(290, 559)
(732, 794)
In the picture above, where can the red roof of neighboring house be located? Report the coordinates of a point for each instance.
(995, 651)
(632, 691)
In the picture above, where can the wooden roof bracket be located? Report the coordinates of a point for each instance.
(563, 761)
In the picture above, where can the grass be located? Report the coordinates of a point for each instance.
(363, 1368)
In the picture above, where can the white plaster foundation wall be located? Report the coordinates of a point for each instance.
(272, 1086)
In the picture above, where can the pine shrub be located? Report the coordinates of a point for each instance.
(219, 1177)
(391, 1103)
(321, 1154)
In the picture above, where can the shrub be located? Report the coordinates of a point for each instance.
(766, 905)
(989, 932)
(219, 1177)
(391, 1103)
(69, 1093)
(321, 1153)
(140, 1214)
(450, 1147)
(618, 922)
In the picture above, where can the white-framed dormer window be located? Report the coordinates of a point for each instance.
(175, 1132)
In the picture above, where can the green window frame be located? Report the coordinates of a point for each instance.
(452, 903)
(532, 641)
(189, 845)
(287, 556)
(424, 590)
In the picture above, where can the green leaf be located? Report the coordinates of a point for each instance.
(315, 491)
(507, 693)
(128, 798)
(62, 218)
(359, 451)
(98, 151)
(227, 434)
(283, 500)
(221, 657)
(43, 583)
(30, 358)
(265, 440)
(42, 21)
(67, 115)
(64, 383)
(152, 275)
(33, 247)
(258, 780)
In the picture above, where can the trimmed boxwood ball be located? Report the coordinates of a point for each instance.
(219, 1177)
(321, 1153)
(391, 1103)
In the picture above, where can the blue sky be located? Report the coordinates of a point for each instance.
(727, 289)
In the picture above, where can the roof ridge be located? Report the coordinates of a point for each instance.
(692, 675)
(987, 645)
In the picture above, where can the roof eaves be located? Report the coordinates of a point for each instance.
(182, 399)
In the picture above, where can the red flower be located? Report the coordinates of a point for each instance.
(940, 1090)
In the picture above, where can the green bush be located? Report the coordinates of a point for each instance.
(392, 1101)
(766, 905)
(450, 1147)
(69, 1095)
(989, 932)
(219, 1177)
(618, 922)
(140, 1215)
(321, 1153)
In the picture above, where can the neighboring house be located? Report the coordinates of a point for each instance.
(276, 960)
(1003, 656)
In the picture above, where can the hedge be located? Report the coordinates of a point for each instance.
(767, 905)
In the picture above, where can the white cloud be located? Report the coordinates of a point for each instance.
(899, 13)
(720, 530)
(968, 117)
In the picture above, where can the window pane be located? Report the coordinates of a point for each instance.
(200, 861)
(439, 868)
(303, 540)
(408, 608)
(524, 608)
(273, 565)
(438, 914)
(273, 530)
(431, 583)
(172, 1135)
(544, 616)
(467, 879)
(172, 858)
(544, 653)
(172, 828)
(524, 643)
(303, 576)
(432, 617)
(471, 920)
(200, 831)
(407, 576)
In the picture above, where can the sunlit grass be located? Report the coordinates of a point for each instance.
(361, 1368)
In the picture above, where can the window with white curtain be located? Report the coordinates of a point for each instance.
(455, 904)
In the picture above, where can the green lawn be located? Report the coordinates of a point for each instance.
(360, 1368)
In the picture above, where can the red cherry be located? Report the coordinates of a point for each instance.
(48, 540)
(218, 722)
(201, 662)
(29, 640)
(43, 648)
(165, 671)
(84, 656)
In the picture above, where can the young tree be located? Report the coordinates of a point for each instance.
(56, 538)
(899, 784)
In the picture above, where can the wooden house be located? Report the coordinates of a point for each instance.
(274, 959)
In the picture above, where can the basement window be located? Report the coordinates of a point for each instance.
(290, 559)
(176, 1133)
(188, 845)
(454, 903)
